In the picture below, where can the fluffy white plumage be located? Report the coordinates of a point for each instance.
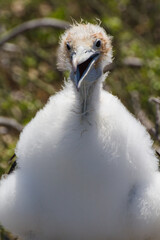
(86, 165)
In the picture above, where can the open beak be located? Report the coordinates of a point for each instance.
(82, 63)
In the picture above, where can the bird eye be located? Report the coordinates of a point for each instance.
(68, 46)
(98, 43)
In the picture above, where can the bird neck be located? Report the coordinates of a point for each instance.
(89, 95)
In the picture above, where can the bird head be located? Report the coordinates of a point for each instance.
(85, 49)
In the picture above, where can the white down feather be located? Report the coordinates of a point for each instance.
(93, 177)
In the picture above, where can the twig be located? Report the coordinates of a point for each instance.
(10, 122)
(13, 165)
(32, 24)
(155, 100)
(133, 62)
(13, 156)
(158, 153)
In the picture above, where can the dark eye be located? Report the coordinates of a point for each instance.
(98, 43)
(68, 46)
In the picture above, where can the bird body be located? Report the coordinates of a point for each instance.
(86, 168)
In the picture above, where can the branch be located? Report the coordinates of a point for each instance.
(10, 122)
(32, 24)
(133, 62)
(55, 23)
(155, 100)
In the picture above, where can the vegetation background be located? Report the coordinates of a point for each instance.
(28, 74)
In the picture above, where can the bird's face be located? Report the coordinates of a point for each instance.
(85, 50)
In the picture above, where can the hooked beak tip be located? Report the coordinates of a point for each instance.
(74, 65)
